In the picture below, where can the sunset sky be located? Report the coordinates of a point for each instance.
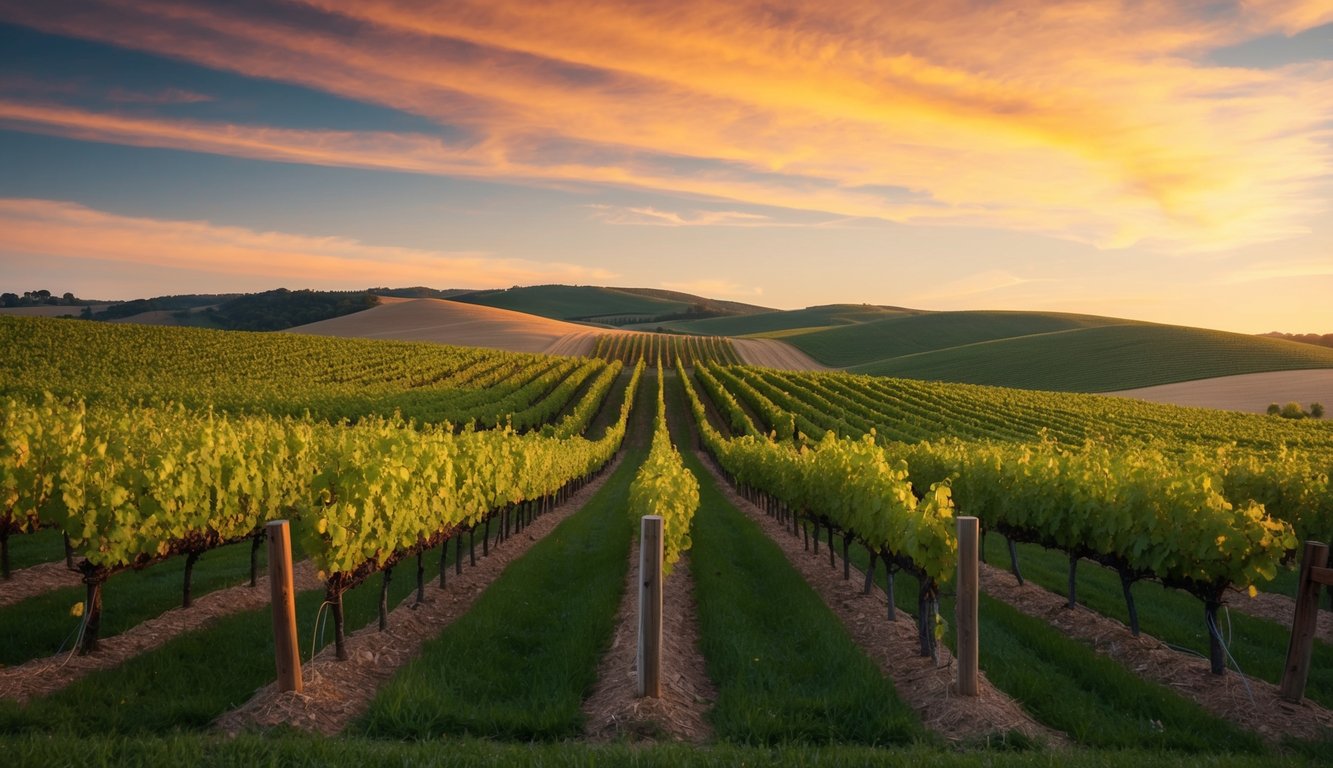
(1159, 161)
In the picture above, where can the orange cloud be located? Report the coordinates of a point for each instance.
(68, 230)
(1100, 121)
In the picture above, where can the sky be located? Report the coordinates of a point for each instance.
(1159, 161)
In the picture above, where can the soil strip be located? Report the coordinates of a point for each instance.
(41, 677)
(613, 712)
(338, 692)
(1250, 703)
(893, 645)
(37, 580)
(1281, 610)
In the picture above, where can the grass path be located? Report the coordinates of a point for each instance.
(519, 663)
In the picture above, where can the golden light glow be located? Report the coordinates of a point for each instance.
(1099, 121)
(46, 227)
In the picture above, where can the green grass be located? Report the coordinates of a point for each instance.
(785, 668)
(1094, 700)
(913, 334)
(192, 679)
(1104, 359)
(299, 751)
(29, 549)
(1067, 686)
(42, 625)
(519, 663)
(1172, 616)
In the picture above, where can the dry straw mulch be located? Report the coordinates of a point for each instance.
(337, 692)
(926, 687)
(1251, 703)
(41, 677)
(37, 580)
(1281, 609)
(613, 711)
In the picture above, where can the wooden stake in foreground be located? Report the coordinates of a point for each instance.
(1314, 572)
(649, 661)
(966, 605)
(285, 647)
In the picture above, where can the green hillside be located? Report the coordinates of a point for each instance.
(571, 302)
(782, 324)
(912, 334)
(1105, 358)
(614, 306)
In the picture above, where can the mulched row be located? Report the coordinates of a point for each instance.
(1250, 703)
(613, 712)
(41, 677)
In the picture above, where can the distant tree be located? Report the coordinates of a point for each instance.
(68, 299)
(1292, 411)
(9, 299)
(1317, 410)
(1274, 409)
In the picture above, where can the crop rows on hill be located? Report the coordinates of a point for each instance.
(1283, 464)
(286, 374)
(1191, 515)
(629, 348)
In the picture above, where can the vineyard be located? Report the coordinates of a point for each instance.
(629, 348)
(1128, 545)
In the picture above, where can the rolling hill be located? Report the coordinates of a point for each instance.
(613, 306)
(777, 324)
(452, 322)
(1103, 358)
(1031, 350)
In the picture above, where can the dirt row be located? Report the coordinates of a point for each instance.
(1281, 609)
(37, 580)
(41, 677)
(1251, 703)
(613, 712)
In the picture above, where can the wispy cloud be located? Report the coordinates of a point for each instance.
(68, 230)
(163, 96)
(649, 216)
(1098, 121)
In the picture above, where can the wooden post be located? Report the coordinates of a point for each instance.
(649, 662)
(286, 649)
(966, 604)
(1314, 571)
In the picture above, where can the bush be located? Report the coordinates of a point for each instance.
(1317, 410)
(1274, 409)
(1292, 411)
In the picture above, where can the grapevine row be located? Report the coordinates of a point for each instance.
(852, 486)
(133, 487)
(631, 347)
(1290, 477)
(664, 487)
(1133, 509)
